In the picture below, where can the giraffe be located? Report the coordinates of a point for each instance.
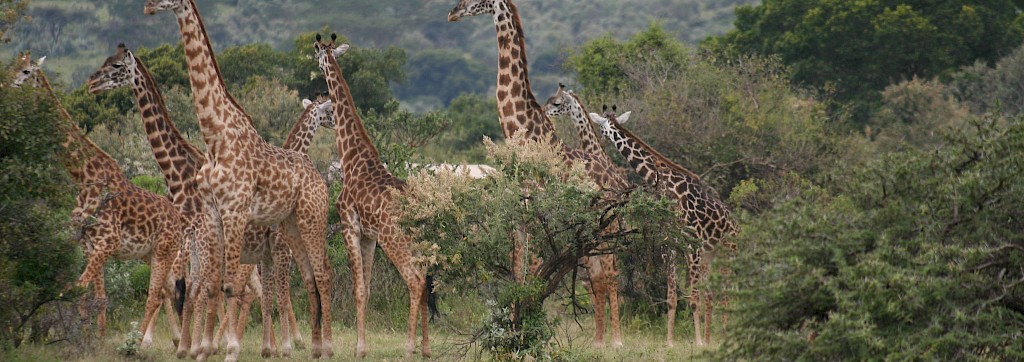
(179, 162)
(247, 180)
(274, 271)
(365, 207)
(601, 269)
(115, 218)
(518, 110)
(701, 211)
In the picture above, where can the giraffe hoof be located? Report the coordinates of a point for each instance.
(617, 344)
(267, 353)
(181, 354)
(426, 352)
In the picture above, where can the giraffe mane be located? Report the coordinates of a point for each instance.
(213, 60)
(361, 129)
(193, 152)
(521, 41)
(659, 157)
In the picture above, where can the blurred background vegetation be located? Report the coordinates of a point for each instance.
(870, 149)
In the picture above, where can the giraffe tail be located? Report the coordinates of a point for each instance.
(319, 308)
(179, 295)
(432, 298)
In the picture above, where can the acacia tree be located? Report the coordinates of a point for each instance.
(464, 228)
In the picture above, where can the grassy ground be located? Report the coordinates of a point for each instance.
(388, 345)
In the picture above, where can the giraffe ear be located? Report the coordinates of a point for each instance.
(306, 103)
(39, 62)
(623, 118)
(596, 118)
(340, 49)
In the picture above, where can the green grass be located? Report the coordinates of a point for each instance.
(388, 344)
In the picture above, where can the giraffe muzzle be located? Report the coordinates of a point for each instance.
(149, 10)
(454, 15)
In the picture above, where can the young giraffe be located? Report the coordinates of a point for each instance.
(179, 162)
(247, 180)
(115, 217)
(702, 212)
(365, 207)
(315, 114)
(604, 283)
(517, 106)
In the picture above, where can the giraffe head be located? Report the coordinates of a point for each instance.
(117, 71)
(559, 103)
(325, 52)
(154, 6)
(27, 70)
(322, 113)
(609, 120)
(467, 8)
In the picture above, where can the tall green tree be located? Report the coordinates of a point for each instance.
(37, 261)
(856, 48)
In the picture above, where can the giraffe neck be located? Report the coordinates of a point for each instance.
(517, 106)
(636, 152)
(302, 133)
(589, 141)
(179, 161)
(85, 161)
(355, 148)
(209, 94)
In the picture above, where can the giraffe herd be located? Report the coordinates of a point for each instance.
(239, 214)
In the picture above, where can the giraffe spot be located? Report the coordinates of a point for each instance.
(503, 41)
(504, 80)
(516, 89)
(502, 94)
(507, 109)
(503, 62)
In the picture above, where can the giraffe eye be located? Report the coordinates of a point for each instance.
(117, 65)
(26, 71)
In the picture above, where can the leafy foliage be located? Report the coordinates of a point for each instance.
(859, 47)
(37, 261)
(915, 255)
(533, 191)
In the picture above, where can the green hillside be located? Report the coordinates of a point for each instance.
(77, 35)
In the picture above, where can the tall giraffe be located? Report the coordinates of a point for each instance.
(274, 272)
(365, 207)
(179, 162)
(518, 109)
(604, 283)
(247, 180)
(115, 217)
(702, 212)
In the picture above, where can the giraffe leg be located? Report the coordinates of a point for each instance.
(598, 294)
(312, 231)
(612, 282)
(425, 319)
(213, 279)
(290, 233)
(192, 295)
(351, 231)
(415, 280)
(103, 238)
(367, 252)
(283, 281)
(222, 309)
(672, 297)
(708, 308)
(234, 224)
(254, 290)
(266, 278)
(163, 257)
(695, 297)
